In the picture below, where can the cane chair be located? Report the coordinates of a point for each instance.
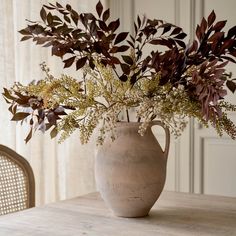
(17, 185)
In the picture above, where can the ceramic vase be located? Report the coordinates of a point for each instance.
(130, 172)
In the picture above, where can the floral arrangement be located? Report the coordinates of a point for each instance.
(172, 82)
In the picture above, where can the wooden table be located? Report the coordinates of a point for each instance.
(173, 214)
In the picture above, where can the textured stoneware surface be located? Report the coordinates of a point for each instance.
(131, 171)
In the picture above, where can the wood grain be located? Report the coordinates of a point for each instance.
(173, 214)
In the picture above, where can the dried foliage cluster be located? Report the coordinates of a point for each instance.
(172, 82)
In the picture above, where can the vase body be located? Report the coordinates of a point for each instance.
(130, 172)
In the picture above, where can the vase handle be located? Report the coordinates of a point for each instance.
(167, 144)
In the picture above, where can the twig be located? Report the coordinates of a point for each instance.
(127, 114)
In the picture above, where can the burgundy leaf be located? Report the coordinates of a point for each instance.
(123, 78)
(115, 60)
(121, 37)
(68, 62)
(229, 58)
(180, 36)
(130, 43)
(167, 27)
(211, 18)
(203, 25)
(99, 8)
(103, 25)
(176, 30)
(193, 47)
(101, 35)
(106, 15)
(231, 85)
(227, 44)
(216, 37)
(219, 25)
(231, 32)
(123, 48)
(113, 26)
(114, 49)
(180, 43)
(163, 42)
(81, 62)
(198, 33)
(233, 53)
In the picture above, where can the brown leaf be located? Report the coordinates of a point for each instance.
(68, 7)
(59, 5)
(125, 68)
(74, 16)
(7, 94)
(43, 14)
(25, 31)
(29, 136)
(67, 19)
(20, 116)
(128, 59)
(139, 21)
(54, 132)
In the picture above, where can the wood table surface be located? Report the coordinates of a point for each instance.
(173, 214)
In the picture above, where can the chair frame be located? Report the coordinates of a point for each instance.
(25, 166)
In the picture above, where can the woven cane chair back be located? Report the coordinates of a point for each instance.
(17, 185)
